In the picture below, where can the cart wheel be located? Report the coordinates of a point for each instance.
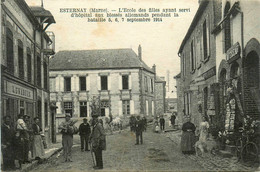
(249, 153)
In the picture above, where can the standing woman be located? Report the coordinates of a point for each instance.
(188, 137)
(204, 127)
(38, 149)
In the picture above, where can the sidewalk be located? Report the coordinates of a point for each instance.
(51, 150)
(212, 162)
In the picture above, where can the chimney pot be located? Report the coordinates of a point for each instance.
(140, 52)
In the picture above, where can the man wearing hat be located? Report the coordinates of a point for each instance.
(98, 141)
(84, 132)
(67, 130)
(139, 128)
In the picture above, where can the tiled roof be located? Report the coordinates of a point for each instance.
(97, 59)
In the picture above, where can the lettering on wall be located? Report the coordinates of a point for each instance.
(18, 90)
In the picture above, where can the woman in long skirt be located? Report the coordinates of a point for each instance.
(38, 149)
(188, 137)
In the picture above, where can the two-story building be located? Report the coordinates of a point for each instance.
(118, 77)
(237, 60)
(198, 63)
(25, 61)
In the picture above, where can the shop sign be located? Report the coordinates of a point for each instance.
(211, 72)
(18, 90)
(233, 53)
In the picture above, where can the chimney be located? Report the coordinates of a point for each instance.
(154, 68)
(140, 52)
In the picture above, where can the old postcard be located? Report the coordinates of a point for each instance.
(137, 85)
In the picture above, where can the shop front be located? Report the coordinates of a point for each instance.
(17, 98)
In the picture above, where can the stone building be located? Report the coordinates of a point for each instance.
(237, 61)
(118, 77)
(160, 93)
(198, 64)
(24, 62)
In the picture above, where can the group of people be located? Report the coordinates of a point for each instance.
(94, 138)
(21, 140)
(188, 138)
(160, 120)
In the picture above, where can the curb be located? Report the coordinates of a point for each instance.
(35, 162)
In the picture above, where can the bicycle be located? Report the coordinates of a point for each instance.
(247, 148)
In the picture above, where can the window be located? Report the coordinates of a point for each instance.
(82, 83)
(234, 71)
(126, 107)
(52, 84)
(68, 108)
(46, 113)
(45, 75)
(83, 109)
(125, 82)
(39, 107)
(20, 59)
(104, 108)
(29, 65)
(152, 86)
(227, 32)
(22, 111)
(183, 65)
(103, 82)
(146, 84)
(67, 84)
(192, 56)
(38, 69)
(205, 91)
(9, 51)
(205, 48)
(187, 103)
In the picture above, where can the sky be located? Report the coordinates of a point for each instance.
(160, 41)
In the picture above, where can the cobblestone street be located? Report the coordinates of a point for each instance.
(157, 153)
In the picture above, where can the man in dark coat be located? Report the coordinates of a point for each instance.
(84, 132)
(139, 127)
(173, 117)
(162, 123)
(7, 143)
(98, 141)
(132, 121)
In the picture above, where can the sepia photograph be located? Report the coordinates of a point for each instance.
(136, 85)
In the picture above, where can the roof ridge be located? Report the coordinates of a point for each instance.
(97, 49)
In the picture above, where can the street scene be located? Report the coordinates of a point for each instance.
(130, 85)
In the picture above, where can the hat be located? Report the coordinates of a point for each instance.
(85, 119)
(67, 115)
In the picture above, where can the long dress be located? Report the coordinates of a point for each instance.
(38, 149)
(204, 126)
(188, 138)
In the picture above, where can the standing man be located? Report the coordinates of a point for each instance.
(98, 141)
(7, 144)
(173, 117)
(84, 132)
(67, 130)
(162, 123)
(139, 127)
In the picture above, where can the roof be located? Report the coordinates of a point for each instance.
(97, 59)
(41, 12)
(194, 22)
(158, 79)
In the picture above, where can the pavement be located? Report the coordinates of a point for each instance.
(216, 162)
(52, 149)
